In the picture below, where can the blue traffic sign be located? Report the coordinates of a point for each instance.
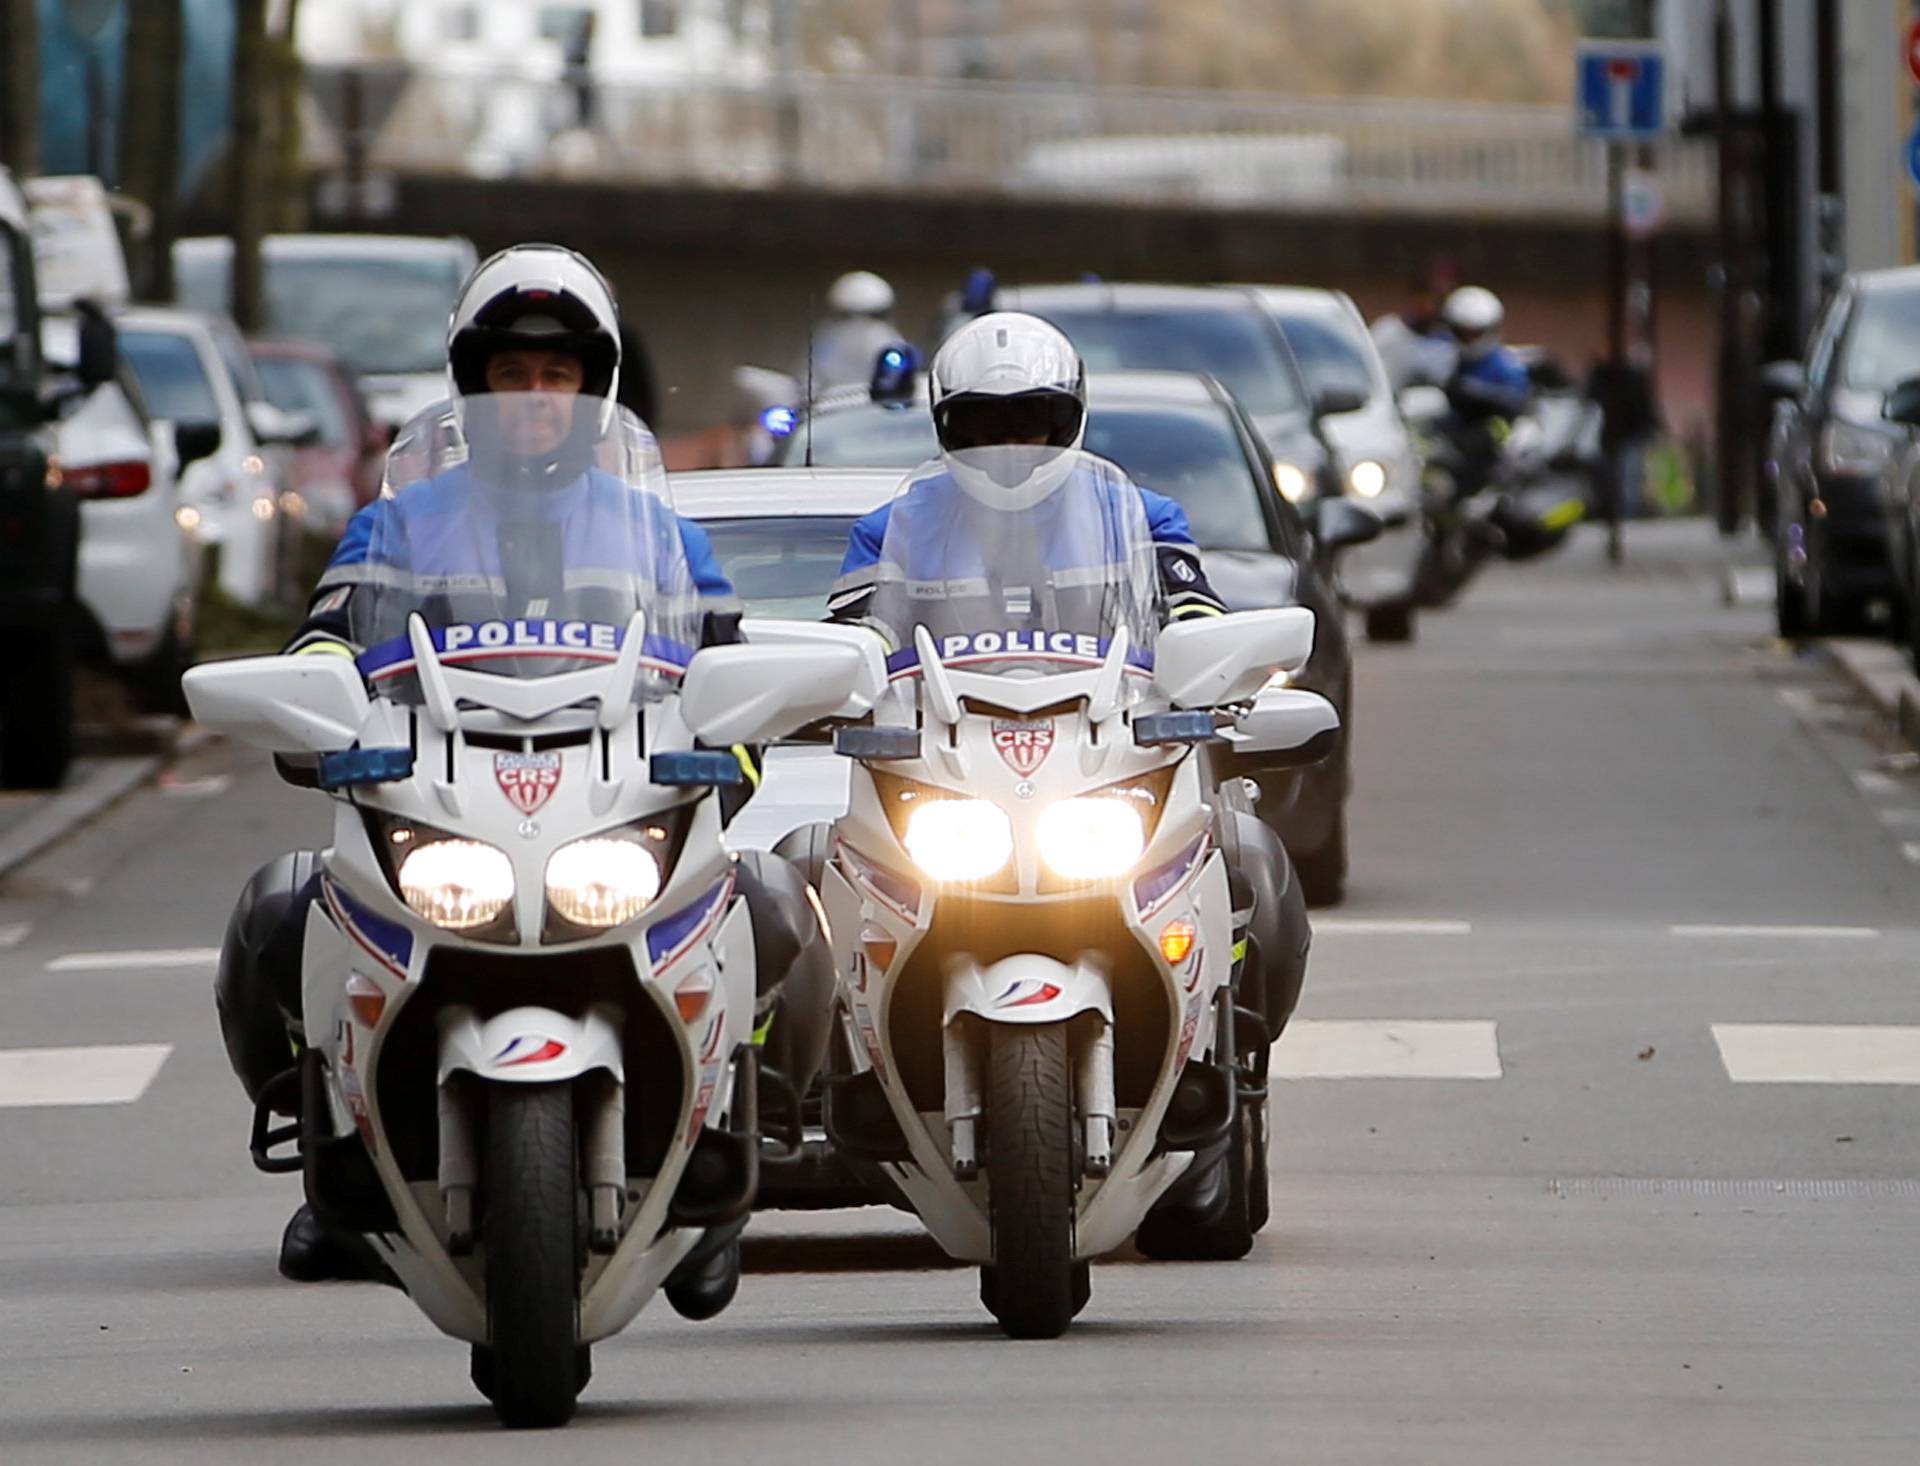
(1622, 90)
(1913, 156)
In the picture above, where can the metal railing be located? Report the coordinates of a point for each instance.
(885, 134)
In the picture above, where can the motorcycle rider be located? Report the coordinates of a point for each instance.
(859, 326)
(537, 322)
(1488, 379)
(1012, 379)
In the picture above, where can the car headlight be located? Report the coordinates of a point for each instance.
(1367, 479)
(959, 839)
(602, 881)
(1292, 482)
(457, 884)
(1853, 451)
(1091, 837)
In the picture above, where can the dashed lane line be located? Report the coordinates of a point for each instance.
(1766, 929)
(98, 1074)
(1382, 927)
(1388, 1048)
(131, 961)
(14, 933)
(1819, 1053)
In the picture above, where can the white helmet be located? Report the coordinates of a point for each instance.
(534, 297)
(1473, 313)
(860, 293)
(1009, 398)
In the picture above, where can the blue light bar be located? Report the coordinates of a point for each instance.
(691, 767)
(780, 421)
(1176, 727)
(354, 766)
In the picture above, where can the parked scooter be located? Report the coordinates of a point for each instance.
(529, 982)
(1035, 932)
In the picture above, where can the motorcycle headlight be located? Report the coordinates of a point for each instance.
(1291, 481)
(1851, 451)
(602, 881)
(457, 884)
(1367, 479)
(1091, 837)
(959, 839)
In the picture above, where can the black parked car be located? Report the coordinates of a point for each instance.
(1187, 437)
(39, 533)
(1838, 527)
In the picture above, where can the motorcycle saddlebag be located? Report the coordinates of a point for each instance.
(1535, 520)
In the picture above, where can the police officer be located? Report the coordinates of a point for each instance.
(533, 363)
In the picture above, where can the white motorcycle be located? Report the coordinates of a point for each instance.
(528, 981)
(1031, 911)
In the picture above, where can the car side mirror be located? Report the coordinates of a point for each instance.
(272, 424)
(99, 361)
(195, 440)
(1903, 404)
(1783, 379)
(1340, 523)
(1332, 401)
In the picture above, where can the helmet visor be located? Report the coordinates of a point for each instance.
(1039, 419)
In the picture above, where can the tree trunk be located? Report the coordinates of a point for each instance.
(150, 134)
(246, 174)
(20, 86)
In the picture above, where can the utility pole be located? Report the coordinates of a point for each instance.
(246, 181)
(20, 85)
(1829, 113)
(150, 133)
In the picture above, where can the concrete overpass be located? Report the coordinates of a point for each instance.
(721, 212)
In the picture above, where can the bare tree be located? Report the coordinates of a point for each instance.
(20, 85)
(246, 185)
(150, 134)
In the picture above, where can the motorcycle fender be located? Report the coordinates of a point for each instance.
(529, 1045)
(1027, 988)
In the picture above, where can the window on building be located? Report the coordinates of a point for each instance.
(564, 23)
(659, 17)
(460, 23)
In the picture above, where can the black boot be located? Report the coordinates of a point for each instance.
(313, 1252)
(702, 1290)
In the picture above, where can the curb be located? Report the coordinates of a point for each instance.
(66, 811)
(1883, 673)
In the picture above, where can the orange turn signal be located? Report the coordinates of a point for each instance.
(1176, 941)
(366, 1000)
(879, 945)
(690, 999)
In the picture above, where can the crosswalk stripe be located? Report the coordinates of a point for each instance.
(99, 1074)
(1763, 929)
(124, 961)
(1819, 1053)
(1387, 1048)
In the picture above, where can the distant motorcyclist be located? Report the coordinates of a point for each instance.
(1005, 379)
(1415, 345)
(533, 369)
(1489, 380)
(859, 326)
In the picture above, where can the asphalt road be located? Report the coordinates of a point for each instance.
(1600, 1144)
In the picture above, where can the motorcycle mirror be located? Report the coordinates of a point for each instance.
(1288, 726)
(1424, 404)
(1339, 524)
(1213, 660)
(753, 694)
(313, 704)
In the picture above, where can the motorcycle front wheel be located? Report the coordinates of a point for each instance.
(1031, 1287)
(534, 1371)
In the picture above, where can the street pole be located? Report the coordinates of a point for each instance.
(1829, 112)
(1732, 385)
(20, 85)
(150, 133)
(1618, 285)
(245, 176)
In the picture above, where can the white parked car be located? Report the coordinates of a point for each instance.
(194, 370)
(380, 301)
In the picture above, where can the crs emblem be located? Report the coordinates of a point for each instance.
(1023, 742)
(527, 779)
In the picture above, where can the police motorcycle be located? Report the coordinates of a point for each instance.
(1031, 911)
(529, 981)
(1486, 492)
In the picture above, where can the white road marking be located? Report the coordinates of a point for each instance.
(1761, 929)
(15, 933)
(1335, 926)
(102, 1074)
(1911, 849)
(127, 961)
(201, 788)
(1898, 816)
(1819, 1053)
(1872, 781)
(1387, 1048)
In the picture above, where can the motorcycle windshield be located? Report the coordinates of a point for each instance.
(526, 529)
(1018, 560)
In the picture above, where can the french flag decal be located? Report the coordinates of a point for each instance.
(529, 1048)
(1029, 992)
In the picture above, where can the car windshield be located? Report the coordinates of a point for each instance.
(1330, 355)
(1189, 452)
(1883, 345)
(782, 566)
(1236, 346)
(526, 529)
(296, 384)
(172, 377)
(378, 313)
(1016, 559)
